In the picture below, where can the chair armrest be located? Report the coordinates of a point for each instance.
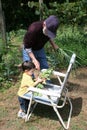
(59, 74)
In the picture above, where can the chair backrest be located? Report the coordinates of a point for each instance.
(72, 60)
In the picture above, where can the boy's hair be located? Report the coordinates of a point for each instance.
(28, 65)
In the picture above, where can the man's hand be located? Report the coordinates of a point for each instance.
(56, 47)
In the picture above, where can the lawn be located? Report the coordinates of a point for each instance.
(44, 117)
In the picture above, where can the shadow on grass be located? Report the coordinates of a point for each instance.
(72, 86)
(44, 111)
(77, 106)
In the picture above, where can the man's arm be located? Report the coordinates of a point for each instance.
(34, 60)
(28, 47)
(55, 47)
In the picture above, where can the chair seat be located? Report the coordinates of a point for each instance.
(44, 98)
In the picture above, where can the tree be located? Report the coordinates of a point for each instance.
(41, 8)
(2, 26)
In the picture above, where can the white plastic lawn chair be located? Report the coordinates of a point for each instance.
(52, 94)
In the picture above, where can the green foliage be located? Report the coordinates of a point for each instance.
(25, 12)
(10, 59)
(9, 62)
(8, 70)
(68, 13)
(40, 85)
(46, 73)
(74, 39)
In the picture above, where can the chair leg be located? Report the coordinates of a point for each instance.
(29, 106)
(30, 111)
(66, 126)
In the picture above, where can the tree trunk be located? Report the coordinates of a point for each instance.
(2, 27)
(41, 9)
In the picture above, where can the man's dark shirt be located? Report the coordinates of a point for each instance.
(34, 38)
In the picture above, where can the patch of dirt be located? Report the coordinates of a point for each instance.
(77, 86)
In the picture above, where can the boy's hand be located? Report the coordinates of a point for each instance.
(39, 80)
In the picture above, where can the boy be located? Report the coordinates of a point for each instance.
(27, 81)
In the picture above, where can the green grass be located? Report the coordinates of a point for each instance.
(3, 112)
(43, 117)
